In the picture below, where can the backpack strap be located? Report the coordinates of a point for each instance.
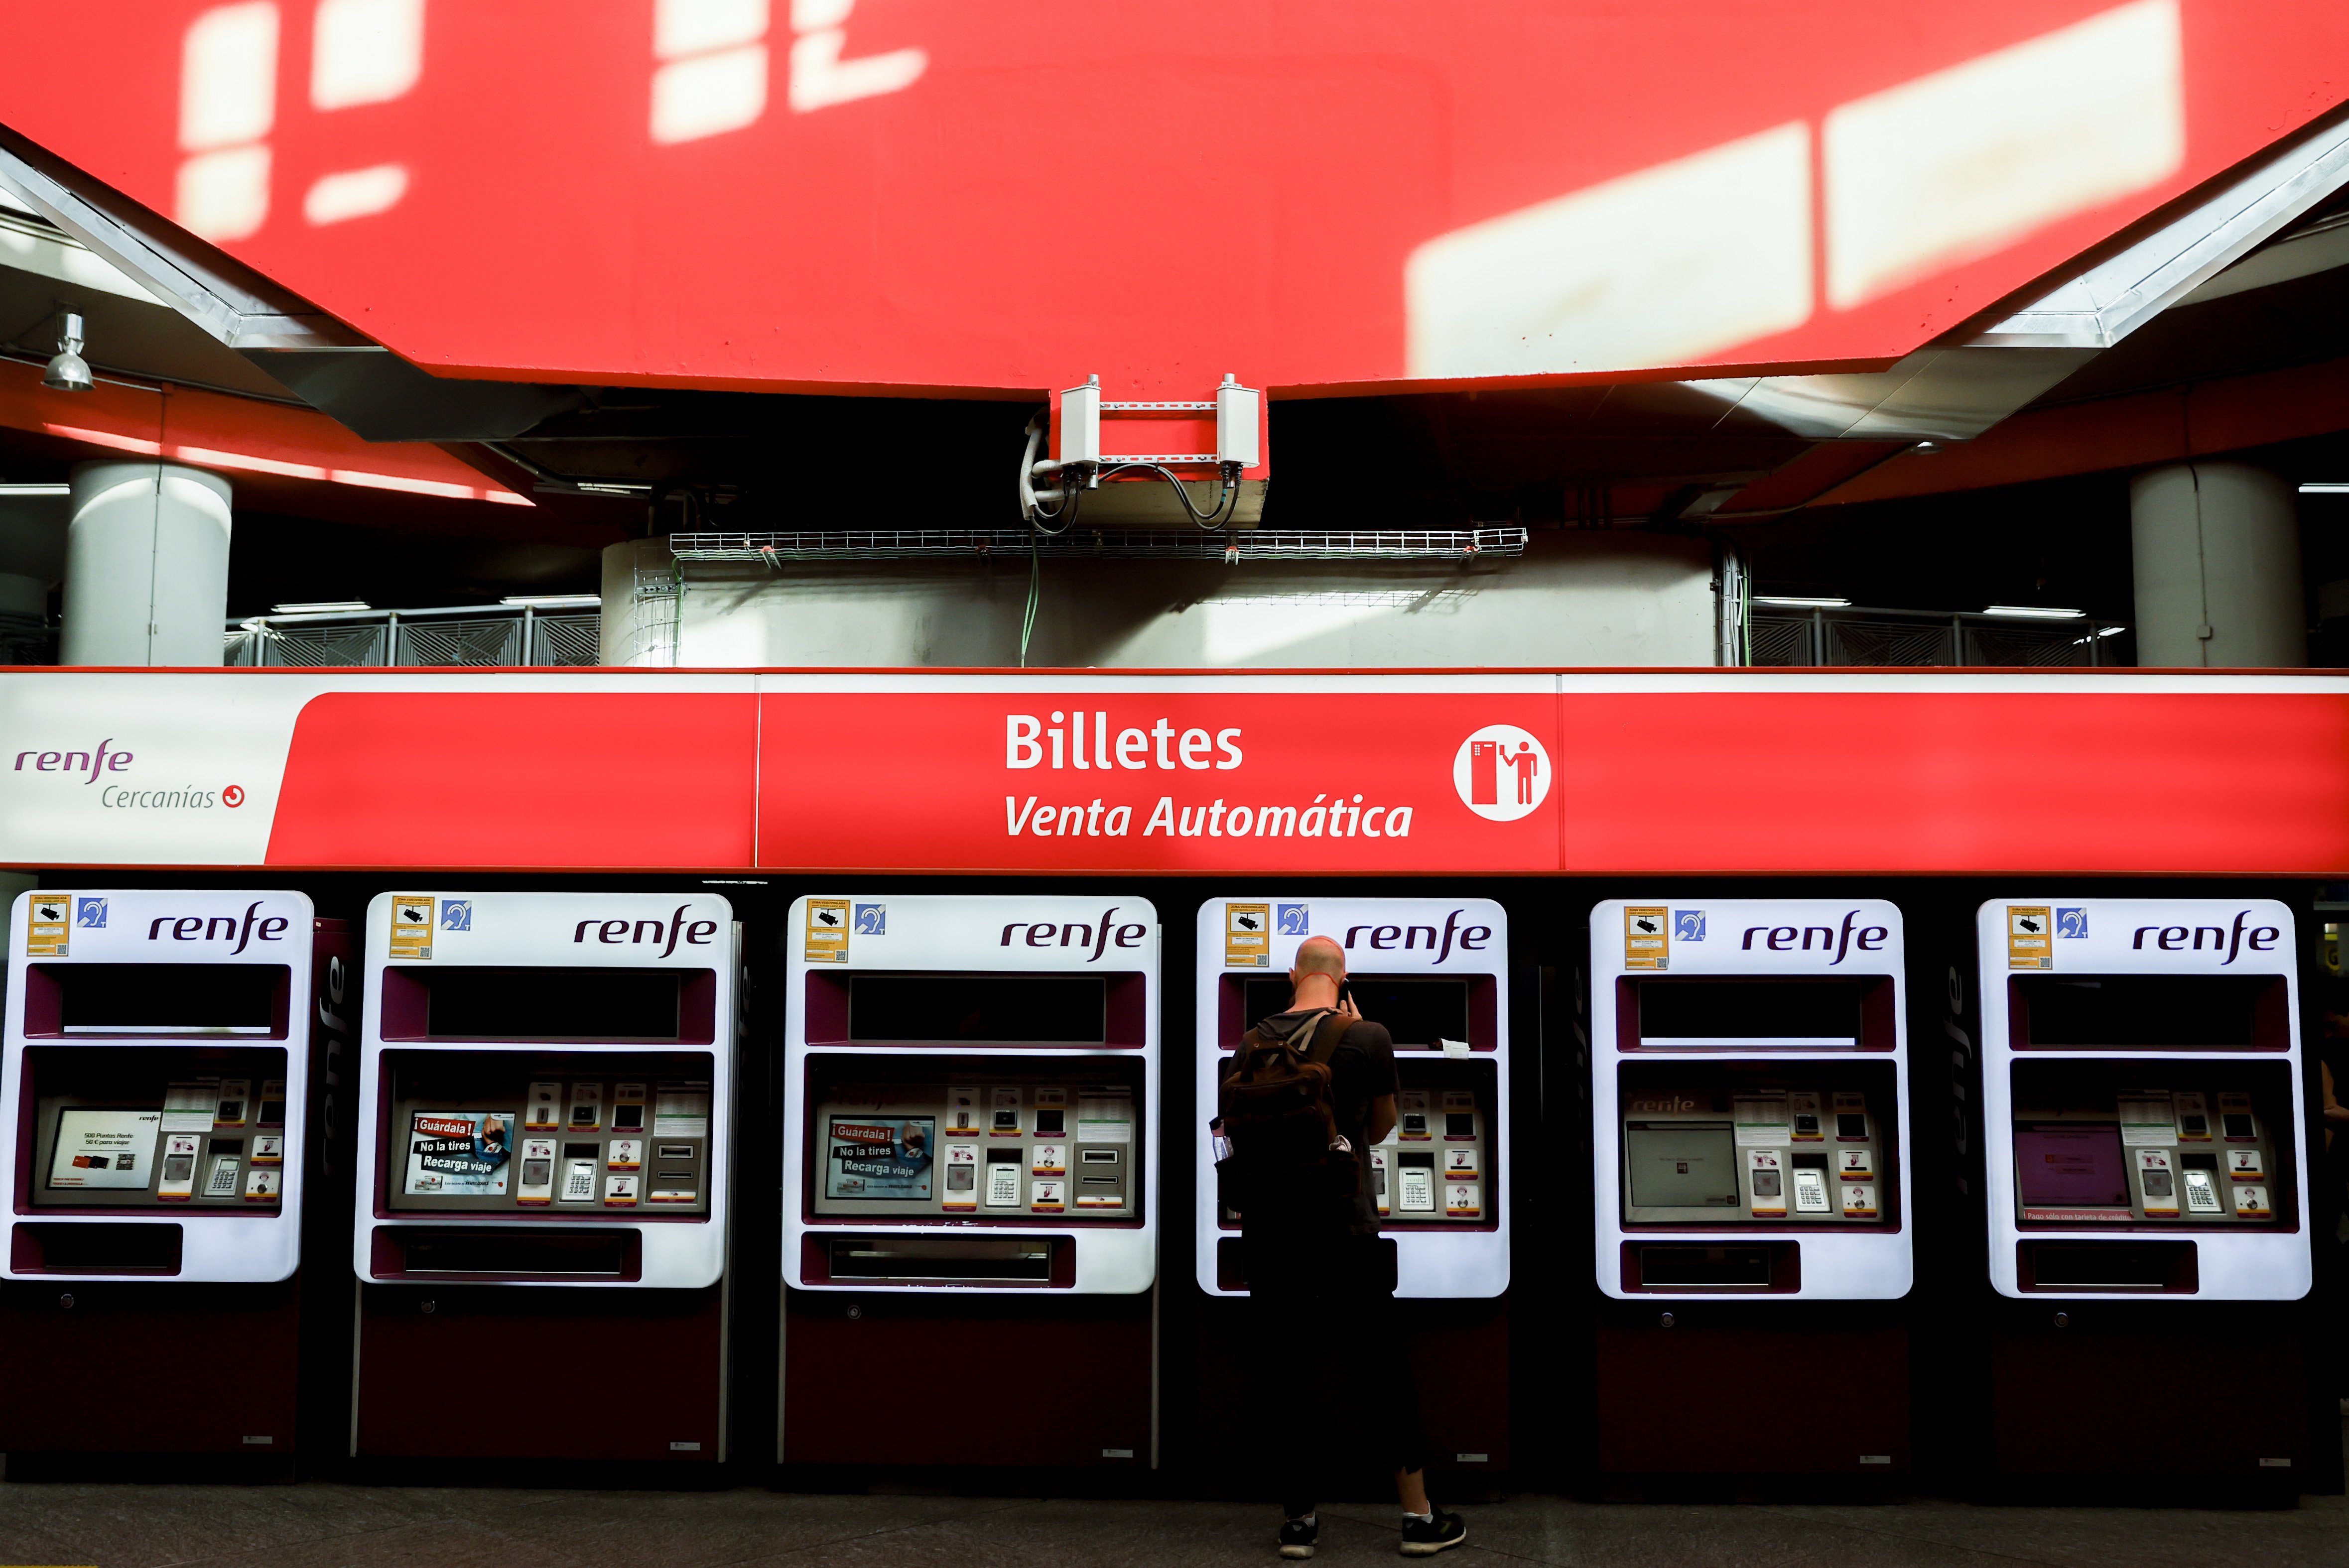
(1327, 1040)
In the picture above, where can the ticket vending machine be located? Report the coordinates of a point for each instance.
(1434, 972)
(970, 1181)
(163, 1048)
(2145, 1183)
(545, 1138)
(1750, 1092)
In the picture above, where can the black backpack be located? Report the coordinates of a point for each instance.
(1277, 1108)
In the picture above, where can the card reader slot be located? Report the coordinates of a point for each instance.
(943, 1258)
(85, 1249)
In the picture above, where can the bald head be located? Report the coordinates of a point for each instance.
(1320, 965)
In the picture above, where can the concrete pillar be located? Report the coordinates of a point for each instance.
(2217, 555)
(146, 566)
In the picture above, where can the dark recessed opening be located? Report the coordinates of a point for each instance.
(942, 1258)
(1415, 1012)
(1071, 1009)
(167, 998)
(1711, 1268)
(494, 1002)
(1749, 1009)
(2111, 1011)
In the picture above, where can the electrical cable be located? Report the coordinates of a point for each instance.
(1035, 590)
(1213, 521)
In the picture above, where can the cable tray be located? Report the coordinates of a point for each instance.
(1231, 545)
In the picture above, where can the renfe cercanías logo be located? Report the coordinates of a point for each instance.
(1502, 772)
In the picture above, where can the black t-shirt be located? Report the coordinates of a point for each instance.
(1361, 1069)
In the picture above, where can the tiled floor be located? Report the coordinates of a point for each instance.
(317, 1525)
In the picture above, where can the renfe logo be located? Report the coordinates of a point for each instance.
(2172, 938)
(1661, 1104)
(612, 933)
(1384, 937)
(1781, 938)
(94, 763)
(1076, 934)
(220, 927)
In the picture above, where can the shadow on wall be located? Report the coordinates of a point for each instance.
(1572, 599)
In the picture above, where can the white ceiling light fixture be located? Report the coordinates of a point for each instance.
(2033, 613)
(324, 606)
(555, 600)
(2325, 487)
(68, 371)
(1800, 602)
(35, 490)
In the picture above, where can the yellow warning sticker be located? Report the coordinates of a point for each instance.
(826, 939)
(2029, 932)
(45, 924)
(1248, 936)
(411, 925)
(1647, 936)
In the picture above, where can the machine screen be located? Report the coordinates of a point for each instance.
(2069, 1165)
(1690, 1167)
(1710, 1009)
(192, 1127)
(1045, 1009)
(493, 1003)
(568, 1134)
(167, 998)
(995, 1142)
(1416, 1011)
(887, 1158)
(2111, 1011)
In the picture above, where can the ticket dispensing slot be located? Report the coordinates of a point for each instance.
(1661, 1013)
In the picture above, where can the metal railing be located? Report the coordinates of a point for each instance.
(1955, 639)
(462, 634)
(1231, 545)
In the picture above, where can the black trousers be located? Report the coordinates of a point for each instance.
(1328, 1359)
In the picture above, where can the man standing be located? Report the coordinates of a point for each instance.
(1321, 1278)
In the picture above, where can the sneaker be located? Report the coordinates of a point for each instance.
(1426, 1537)
(1298, 1536)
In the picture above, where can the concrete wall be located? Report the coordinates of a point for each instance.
(1575, 598)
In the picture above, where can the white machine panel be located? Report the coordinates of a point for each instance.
(971, 1093)
(1750, 1100)
(556, 1064)
(1442, 963)
(2141, 1094)
(170, 1093)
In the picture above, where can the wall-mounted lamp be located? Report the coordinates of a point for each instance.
(69, 372)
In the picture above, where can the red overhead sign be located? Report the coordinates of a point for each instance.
(1734, 773)
(934, 194)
